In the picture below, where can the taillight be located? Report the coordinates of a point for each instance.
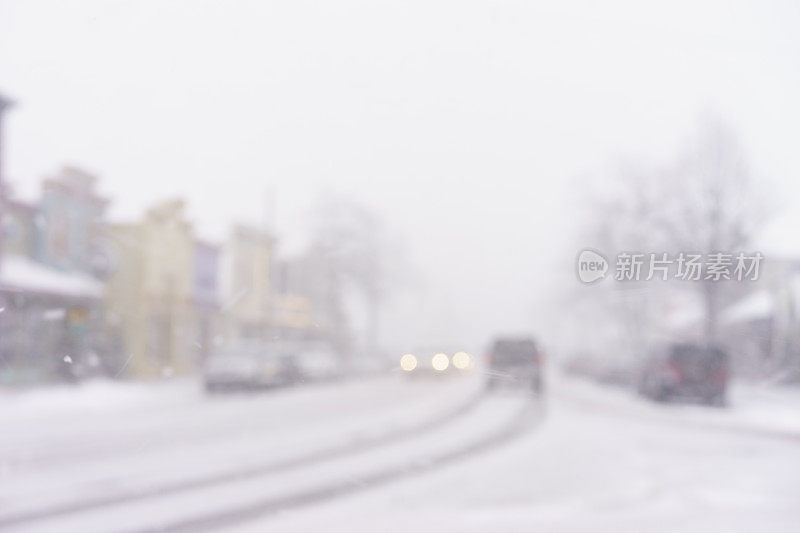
(673, 372)
(720, 376)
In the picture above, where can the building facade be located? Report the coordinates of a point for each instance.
(161, 299)
(51, 296)
(205, 289)
(248, 299)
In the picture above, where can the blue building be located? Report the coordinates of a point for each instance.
(50, 282)
(205, 292)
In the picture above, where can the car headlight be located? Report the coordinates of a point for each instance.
(440, 362)
(462, 360)
(408, 362)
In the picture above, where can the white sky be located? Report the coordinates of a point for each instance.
(463, 123)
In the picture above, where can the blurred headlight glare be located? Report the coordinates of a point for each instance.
(462, 360)
(440, 362)
(408, 362)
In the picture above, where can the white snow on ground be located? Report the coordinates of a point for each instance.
(345, 471)
(73, 451)
(755, 408)
(40, 404)
(600, 462)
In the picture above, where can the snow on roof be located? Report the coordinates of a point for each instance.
(755, 306)
(22, 274)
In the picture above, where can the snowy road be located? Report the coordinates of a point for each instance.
(601, 461)
(168, 458)
(190, 443)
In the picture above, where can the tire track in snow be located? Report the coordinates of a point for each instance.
(529, 415)
(317, 456)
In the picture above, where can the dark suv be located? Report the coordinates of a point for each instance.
(515, 362)
(685, 371)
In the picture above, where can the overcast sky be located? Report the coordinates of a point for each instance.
(469, 126)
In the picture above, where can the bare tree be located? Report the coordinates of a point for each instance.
(705, 201)
(714, 206)
(358, 248)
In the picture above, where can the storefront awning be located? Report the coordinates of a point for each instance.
(20, 274)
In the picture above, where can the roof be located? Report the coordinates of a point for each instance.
(20, 274)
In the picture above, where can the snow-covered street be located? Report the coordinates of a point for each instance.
(602, 461)
(397, 454)
(140, 438)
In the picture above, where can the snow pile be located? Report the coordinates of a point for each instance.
(47, 405)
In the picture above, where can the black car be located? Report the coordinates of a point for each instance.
(516, 362)
(686, 371)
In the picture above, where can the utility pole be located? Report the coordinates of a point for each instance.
(5, 104)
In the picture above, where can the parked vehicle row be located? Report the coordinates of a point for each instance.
(670, 371)
(685, 371)
(259, 364)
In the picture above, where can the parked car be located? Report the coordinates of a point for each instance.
(685, 371)
(250, 365)
(515, 362)
(317, 361)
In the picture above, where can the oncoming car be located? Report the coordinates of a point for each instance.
(515, 362)
(428, 362)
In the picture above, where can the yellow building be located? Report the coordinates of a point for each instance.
(153, 298)
(247, 305)
(293, 313)
(253, 307)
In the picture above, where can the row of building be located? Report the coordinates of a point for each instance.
(82, 296)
